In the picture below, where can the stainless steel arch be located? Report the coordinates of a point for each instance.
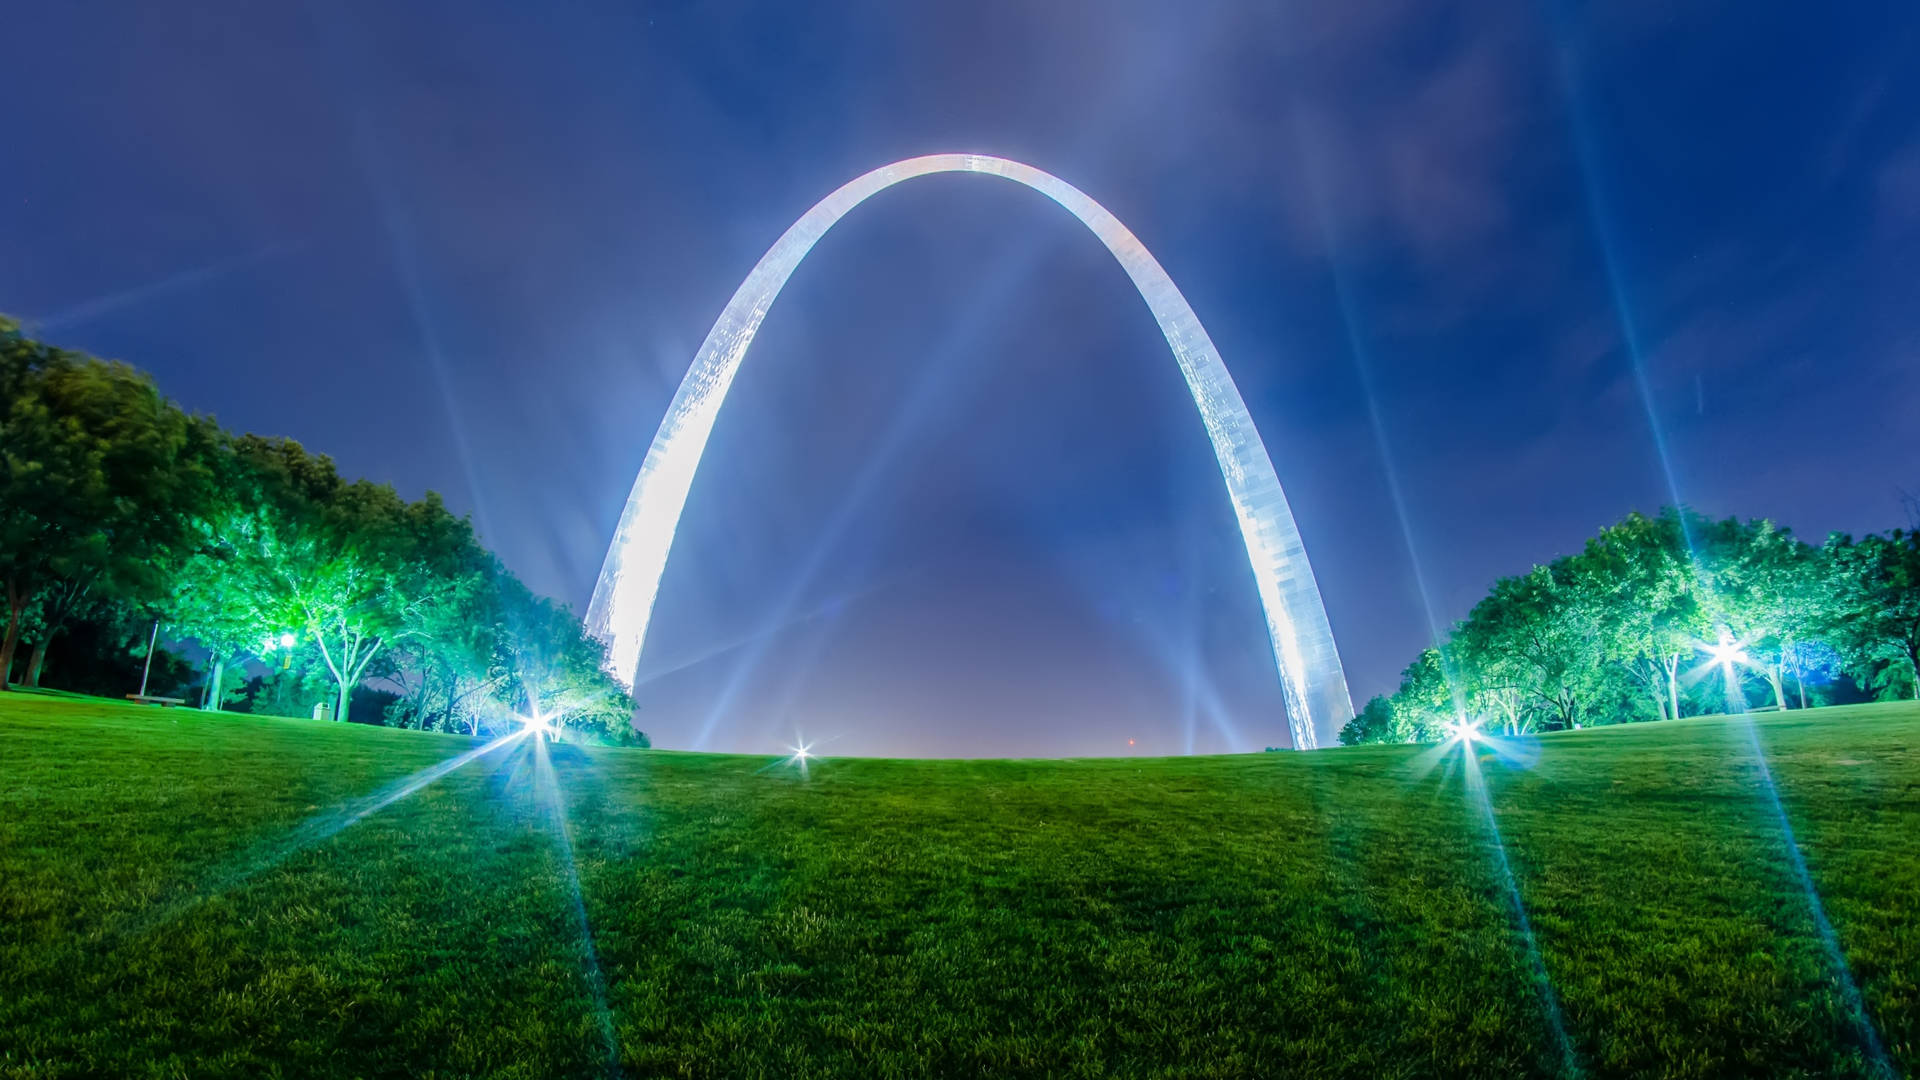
(1314, 684)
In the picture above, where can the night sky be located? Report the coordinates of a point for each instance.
(959, 502)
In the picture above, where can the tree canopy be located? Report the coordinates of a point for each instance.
(1646, 622)
(118, 507)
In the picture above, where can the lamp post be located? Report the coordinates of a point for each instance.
(147, 668)
(284, 642)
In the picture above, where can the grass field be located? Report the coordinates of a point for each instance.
(185, 895)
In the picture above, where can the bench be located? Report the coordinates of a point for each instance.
(155, 699)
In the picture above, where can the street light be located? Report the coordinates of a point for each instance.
(284, 641)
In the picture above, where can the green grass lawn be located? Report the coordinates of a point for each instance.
(186, 895)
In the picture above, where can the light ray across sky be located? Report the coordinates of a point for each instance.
(403, 248)
(936, 387)
(1604, 230)
(86, 311)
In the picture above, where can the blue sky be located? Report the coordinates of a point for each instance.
(958, 502)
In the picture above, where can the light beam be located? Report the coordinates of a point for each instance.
(1467, 734)
(802, 754)
(314, 831)
(547, 783)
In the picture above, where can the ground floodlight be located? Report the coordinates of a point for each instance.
(802, 753)
(1726, 651)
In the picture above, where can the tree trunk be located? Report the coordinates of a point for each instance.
(16, 606)
(1673, 686)
(212, 704)
(346, 696)
(1779, 684)
(34, 660)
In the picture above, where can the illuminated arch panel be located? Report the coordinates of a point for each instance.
(1311, 677)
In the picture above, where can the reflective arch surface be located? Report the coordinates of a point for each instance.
(1311, 678)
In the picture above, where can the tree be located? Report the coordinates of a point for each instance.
(1427, 702)
(225, 590)
(114, 503)
(1765, 588)
(1537, 635)
(1642, 578)
(449, 655)
(1488, 690)
(98, 476)
(557, 673)
(1875, 620)
(326, 554)
(1376, 723)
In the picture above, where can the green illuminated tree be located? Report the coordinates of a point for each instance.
(1538, 636)
(446, 656)
(1493, 693)
(219, 599)
(324, 557)
(555, 670)
(1875, 619)
(1425, 704)
(1768, 590)
(1375, 723)
(1642, 578)
(225, 586)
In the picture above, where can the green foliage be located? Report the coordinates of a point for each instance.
(1334, 915)
(1537, 638)
(1769, 590)
(1375, 723)
(1616, 632)
(99, 476)
(561, 675)
(292, 690)
(114, 504)
(1876, 623)
(1643, 578)
(1426, 701)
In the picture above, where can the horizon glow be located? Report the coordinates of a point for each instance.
(1312, 679)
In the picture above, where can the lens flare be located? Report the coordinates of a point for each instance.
(312, 832)
(1725, 652)
(802, 754)
(536, 723)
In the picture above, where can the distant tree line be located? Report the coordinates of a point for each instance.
(1669, 616)
(117, 509)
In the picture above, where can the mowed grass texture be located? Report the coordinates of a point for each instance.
(189, 895)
